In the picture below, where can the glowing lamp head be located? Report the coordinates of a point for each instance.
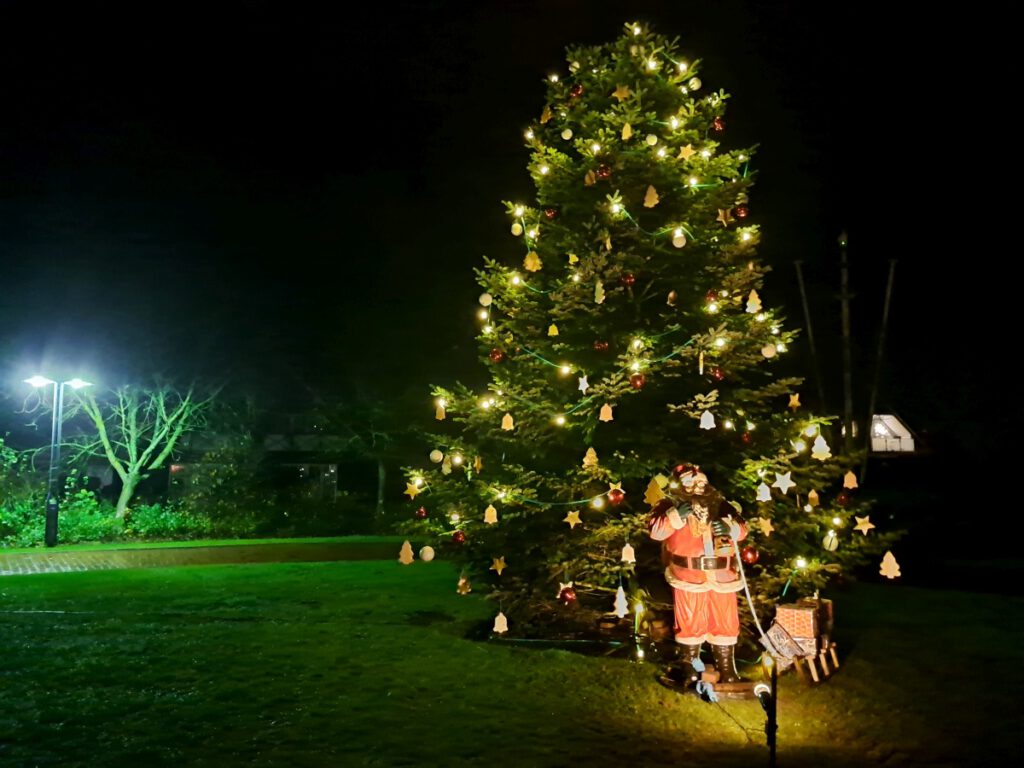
(636, 30)
(482, 314)
(745, 237)
(682, 66)
(77, 383)
(39, 381)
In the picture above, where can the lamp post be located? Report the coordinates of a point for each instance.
(768, 696)
(52, 492)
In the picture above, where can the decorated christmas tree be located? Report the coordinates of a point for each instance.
(626, 330)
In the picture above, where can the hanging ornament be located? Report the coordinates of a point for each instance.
(478, 464)
(794, 401)
(485, 299)
(747, 438)
(507, 423)
(446, 465)
(766, 526)
(843, 499)
(651, 139)
(830, 542)
(500, 624)
(769, 351)
(718, 125)
(421, 513)
(812, 499)
(621, 606)
(724, 216)
(567, 134)
(552, 330)
(546, 114)
(700, 362)
(576, 91)
(573, 519)
(532, 262)
(584, 384)
(711, 296)
(600, 346)
(820, 449)
(628, 555)
(590, 459)
(753, 303)
(589, 179)
(436, 456)
(427, 554)
(459, 537)
(411, 490)
(850, 480)
(405, 556)
(463, 587)
(651, 198)
(550, 213)
(685, 153)
(603, 171)
(628, 279)
(890, 568)
(716, 373)
(439, 413)
(498, 565)
(573, 258)
(783, 482)
(517, 228)
(606, 413)
(598, 292)
(637, 380)
(490, 515)
(707, 420)
(694, 83)
(627, 132)
(678, 238)
(750, 555)
(654, 494)
(497, 355)
(566, 593)
(741, 211)
(764, 493)
(615, 493)
(671, 298)
(864, 524)
(622, 93)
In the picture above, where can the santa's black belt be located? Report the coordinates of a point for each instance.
(704, 563)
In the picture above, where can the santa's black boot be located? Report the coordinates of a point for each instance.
(725, 663)
(681, 670)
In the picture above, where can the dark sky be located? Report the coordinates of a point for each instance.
(288, 197)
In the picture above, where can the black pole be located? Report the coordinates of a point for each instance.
(810, 336)
(52, 492)
(773, 724)
(845, 297)
(878, 367)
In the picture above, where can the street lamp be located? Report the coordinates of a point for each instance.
(52, 492)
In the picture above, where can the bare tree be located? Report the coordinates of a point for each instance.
(137, 429)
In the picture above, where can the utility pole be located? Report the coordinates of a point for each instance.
(844, 297)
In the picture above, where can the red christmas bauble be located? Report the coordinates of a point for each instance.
(628, 279)
(550, 213)
(746, 437)
(718, 124)
(459, 537)
(750, 555)
(567, 595)
(637, 380)
(420, 513)
(716, 373)
(616, 495)
(603, 171)
(601, 346)
(842, 498)
(711, 295)
(497, 355)
(576, 91)
(741, 211)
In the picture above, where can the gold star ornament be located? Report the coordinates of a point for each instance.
(724, 216)
(411, 490)
(766, 526)
(498, 565)
(573, 519)
(864, 524)
(622, 93)
(794, 401)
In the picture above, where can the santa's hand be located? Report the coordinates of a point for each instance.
(720, 527)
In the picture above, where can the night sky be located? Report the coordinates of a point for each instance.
(290, 201)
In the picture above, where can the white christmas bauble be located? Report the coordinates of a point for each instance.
(769, 350)
(427, 554)
(436, 456)
(830, 542)
(567, 134)
(517, 229)
(694, 83)
(679, 240)
(485, 299)
(651, 139)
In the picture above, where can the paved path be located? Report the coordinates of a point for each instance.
(63, 561)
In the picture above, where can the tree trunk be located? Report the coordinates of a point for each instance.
(381, 477)
(127, 491)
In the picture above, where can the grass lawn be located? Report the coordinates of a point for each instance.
(178, 544)
(364, 663)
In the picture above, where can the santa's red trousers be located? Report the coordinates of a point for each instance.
(710, 616)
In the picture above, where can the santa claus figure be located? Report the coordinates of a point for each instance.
(697, 528)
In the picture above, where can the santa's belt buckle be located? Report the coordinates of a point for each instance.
(709, 563)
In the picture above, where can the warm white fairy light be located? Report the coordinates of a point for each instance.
(837, 521)
(575, 277)
(482, 314)
(544, 170)
(442, 403)
(811, 431)
(560, 420)
(565, 369)
(485, 404)
(800, 446)
(781, 347)
(595, 147)
(661, 152)
(729, 424)
(516, 280)
(742, 158)
(532, 234)
(502, 494)
(751, 426)
(457, 459)
(745, 236)
(712, 309)
(801, 563)
(775, 330)
(520, 211)
(759, 317)
(615, 207)
(652, 64)
(528, 135)
(808, 508)
(553, 78)
(678, 232)
(694, 181)
(674, 122)
(487, 329)
(635, 366)
(682, 66)
(597, 502)
(417, 481)
(705, 153)
(683, 90)
(637, 343)
(636, 30)
(719, 342)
